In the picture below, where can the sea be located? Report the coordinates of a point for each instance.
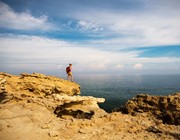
(117, 89)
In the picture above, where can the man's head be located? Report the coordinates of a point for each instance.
(70, 64)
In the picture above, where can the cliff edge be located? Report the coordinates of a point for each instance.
(40, 107)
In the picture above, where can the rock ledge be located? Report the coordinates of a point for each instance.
(39, 107)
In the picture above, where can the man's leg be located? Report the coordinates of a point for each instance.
(67, 76)
(71, 78)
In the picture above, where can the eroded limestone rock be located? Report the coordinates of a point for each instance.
(57, 95)
(37, 84)
(166, 108)
(28, 113)
(79, 106)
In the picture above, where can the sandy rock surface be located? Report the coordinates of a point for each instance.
(39, 107)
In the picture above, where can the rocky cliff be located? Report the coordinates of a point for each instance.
(166, 108)
(40, 107)
(57, 95)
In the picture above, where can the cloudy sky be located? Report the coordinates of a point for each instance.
(96, 36)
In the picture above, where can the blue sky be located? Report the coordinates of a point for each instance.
(97, 36)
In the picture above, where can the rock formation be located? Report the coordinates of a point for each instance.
(58, 95)
(39, 107)
(166, 108)
(38, 84)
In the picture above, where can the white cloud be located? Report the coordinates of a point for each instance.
(88, 26)
(121, 29)
(59, 66)
(43, 53)
(138, 66)
(119, 66)
(10, 19)
(138, 28)
(98, 66)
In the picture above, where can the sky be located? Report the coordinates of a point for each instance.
(96, 36)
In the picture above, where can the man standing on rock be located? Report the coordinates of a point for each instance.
(69, 72)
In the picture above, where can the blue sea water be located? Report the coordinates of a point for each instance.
(117, 89)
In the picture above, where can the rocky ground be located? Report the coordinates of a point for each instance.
(39, 107)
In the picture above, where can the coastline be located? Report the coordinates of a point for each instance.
(118, 89)
(31, 103)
